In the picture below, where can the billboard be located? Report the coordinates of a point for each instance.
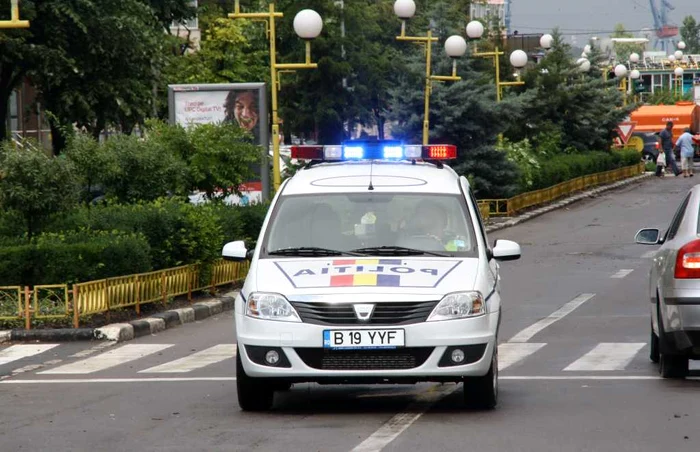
(211, 103)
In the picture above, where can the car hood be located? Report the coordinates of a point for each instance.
(423, 277)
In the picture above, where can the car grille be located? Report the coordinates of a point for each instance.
(386, 313)
(393, 359)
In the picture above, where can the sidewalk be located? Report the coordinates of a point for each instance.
(120, 332)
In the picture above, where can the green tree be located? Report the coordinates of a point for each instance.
(92, 163)
(92, 62)
(34, 184)
(690, 33)
(623, 50)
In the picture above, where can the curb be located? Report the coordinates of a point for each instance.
(120, 332)
(565, 202)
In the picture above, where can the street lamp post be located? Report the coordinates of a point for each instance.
(678, 72)
(621, 74)
(455, 47)
(14, 21)
(518, 59)
(307, 25)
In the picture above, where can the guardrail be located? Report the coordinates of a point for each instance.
(511, 206)
(94, 297)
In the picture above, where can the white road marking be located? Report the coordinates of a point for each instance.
(527, 334)
(16, 352)
(607, 356)
(649, 254)
(512, 353)
(397, 424)
(583, 377)
(121, 355)
(197, 360)
(91, 350)
(622, 273)
(117, 380)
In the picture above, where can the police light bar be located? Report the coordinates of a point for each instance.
(375, 151)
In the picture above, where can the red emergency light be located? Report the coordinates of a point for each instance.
(440, 152)
(307, 152)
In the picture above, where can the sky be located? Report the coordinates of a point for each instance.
(582, 16)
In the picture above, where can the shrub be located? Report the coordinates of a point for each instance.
(34, 184)
(77, 256)
(178, 233)
(241, 223)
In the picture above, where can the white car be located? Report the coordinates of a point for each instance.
(372, 266)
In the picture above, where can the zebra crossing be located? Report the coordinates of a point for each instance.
(146, 359)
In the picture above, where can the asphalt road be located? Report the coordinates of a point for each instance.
(574, 355)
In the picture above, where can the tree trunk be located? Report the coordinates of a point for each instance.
(57, 138)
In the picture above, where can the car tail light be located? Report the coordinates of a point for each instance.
(688, 261)
(657, 146)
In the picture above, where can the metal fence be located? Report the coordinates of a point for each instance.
(95, 297)
(511, 206)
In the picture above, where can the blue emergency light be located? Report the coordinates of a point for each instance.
(375, 150)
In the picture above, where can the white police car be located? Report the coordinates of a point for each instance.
(372, 266)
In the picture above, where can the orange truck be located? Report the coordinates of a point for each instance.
(652, 119)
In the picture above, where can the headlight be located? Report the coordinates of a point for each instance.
(459, 305)
(270, 306)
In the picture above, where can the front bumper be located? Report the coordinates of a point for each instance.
(422, 359)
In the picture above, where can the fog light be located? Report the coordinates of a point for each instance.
(457, 355)
(272, 357)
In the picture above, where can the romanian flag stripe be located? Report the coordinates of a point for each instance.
(367, 262)
(366, 279)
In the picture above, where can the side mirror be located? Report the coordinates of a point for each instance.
(647, 237)
(505, 250)
(235, 251)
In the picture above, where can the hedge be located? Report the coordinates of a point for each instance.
(71, 257)
(562, 168)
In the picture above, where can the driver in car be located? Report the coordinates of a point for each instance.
(430, 220)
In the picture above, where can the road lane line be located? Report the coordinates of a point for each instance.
(649, 254)
(527, 334)
(510, 354)
(397, 424)
(197, 360)
(584, 377)
(121, 355)
(622, 273)
(17, 352)
(118, 380)
(607, 356)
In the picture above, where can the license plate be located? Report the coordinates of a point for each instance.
(349, 339)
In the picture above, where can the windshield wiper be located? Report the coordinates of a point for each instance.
(311, 251)
(398, 251)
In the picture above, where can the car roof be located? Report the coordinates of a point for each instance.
(355, 177)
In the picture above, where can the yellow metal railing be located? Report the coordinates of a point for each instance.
(94, 297)
(511, 206)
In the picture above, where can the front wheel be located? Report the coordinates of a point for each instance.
(253, 394)
(482, 392)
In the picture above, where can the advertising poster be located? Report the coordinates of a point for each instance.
(242, 103)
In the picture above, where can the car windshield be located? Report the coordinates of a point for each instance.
(370, 224)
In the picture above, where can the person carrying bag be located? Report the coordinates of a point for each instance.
(660, 164)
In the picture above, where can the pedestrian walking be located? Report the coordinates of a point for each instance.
(660, 164)
(685, 144)
(666, 136)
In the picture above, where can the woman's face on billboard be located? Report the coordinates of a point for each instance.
(244, 110)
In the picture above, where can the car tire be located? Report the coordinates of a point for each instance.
(670, 365)
(653, 346)
(482, 392)
(648, 157)
(253, 394)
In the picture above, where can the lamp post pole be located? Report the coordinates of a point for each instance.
(455, 46)
(14, 21)
(308, 25)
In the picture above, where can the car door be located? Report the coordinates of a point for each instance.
(664, 261)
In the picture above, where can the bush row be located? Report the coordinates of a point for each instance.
(561, 168)
(114, 240)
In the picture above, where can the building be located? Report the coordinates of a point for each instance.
(490, 11)
(657, 74)
(26, 117)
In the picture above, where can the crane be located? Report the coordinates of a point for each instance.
(664, 30)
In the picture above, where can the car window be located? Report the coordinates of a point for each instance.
(677, 219)
(350, 221)
(478, 213)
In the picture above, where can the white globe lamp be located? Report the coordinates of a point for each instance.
(678, 71)
(634, 58)
(587, 48)
(308, 24)
(583, 64)
(678, 54)
(455, 46)
(475, 29)
(671, 58)
(518, 59)
(681, 45)
(620, 70)
(635, 74)
(404, 9)
(546, 41)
